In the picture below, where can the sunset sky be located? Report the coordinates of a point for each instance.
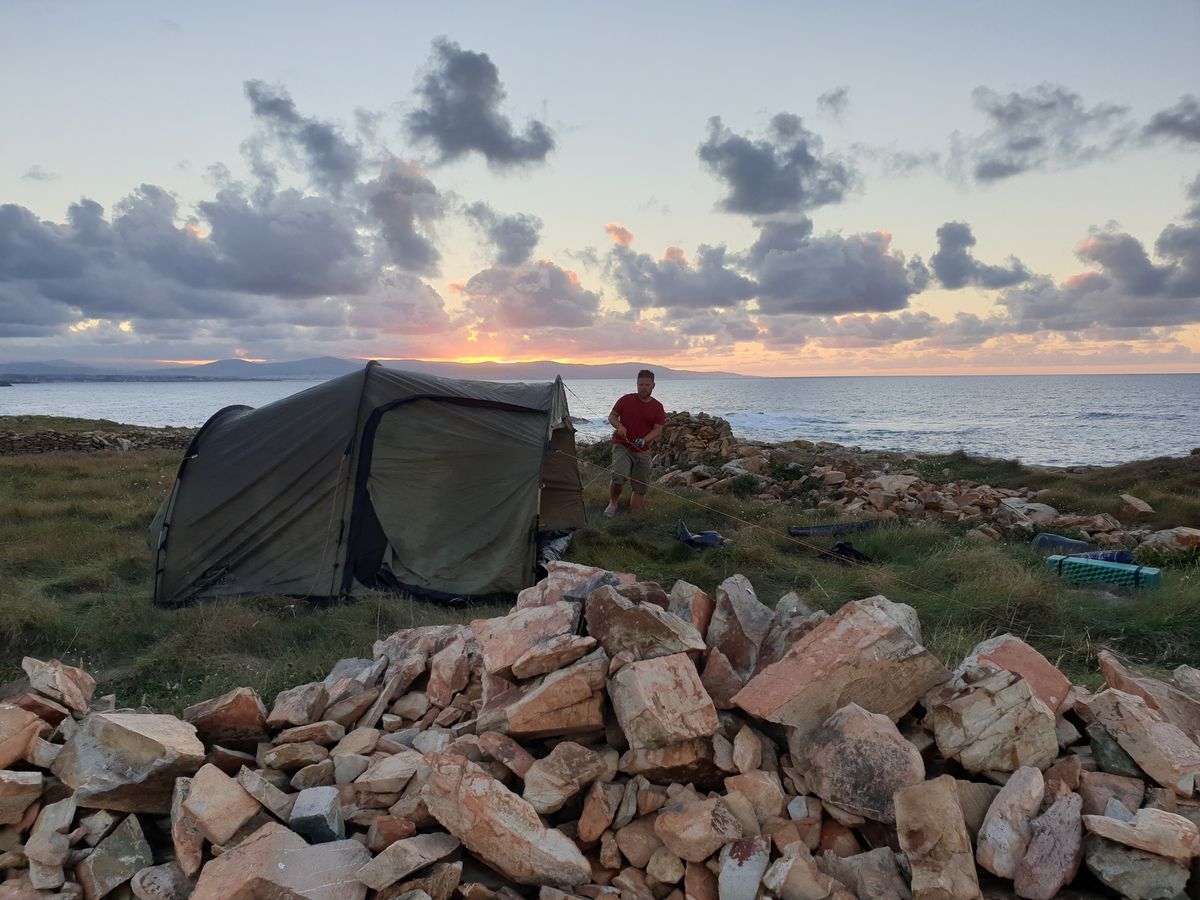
(778, 188)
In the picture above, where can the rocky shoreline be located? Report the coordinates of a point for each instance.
(609, 738)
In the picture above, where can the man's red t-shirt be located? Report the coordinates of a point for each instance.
(638, 418)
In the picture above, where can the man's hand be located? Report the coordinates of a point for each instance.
(621, 432)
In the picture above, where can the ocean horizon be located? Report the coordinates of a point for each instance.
(1040, 419)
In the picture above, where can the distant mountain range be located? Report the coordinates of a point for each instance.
(323, 367)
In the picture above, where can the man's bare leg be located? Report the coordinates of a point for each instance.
(637, 502)
(614, 496)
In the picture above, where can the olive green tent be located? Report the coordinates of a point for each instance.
(378, 479)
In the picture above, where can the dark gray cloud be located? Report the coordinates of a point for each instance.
(1045, 128)
(535, 295)
(716, 327)
(830, 274)
(1180, 122)
(1129, 291)
(956, 268)
(834, 102)
(513, 236)
(461, 95)
(330, 160)
(674, 282)
(406, 204)
(37, 173)
(785, 171)
(867, 330)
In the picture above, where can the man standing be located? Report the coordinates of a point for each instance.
(638, 421)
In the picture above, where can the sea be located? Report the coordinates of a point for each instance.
(1056, 420)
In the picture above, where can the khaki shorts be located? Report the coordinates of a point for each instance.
(628, 466)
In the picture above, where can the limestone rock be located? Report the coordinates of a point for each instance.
(295, 756)
(695, 830)
(1008, 826)
(552, 654)
(1174, 540)
(391, 773)
(18, 728)
(721, 681)
(219, 805)
(567, 702)
(238, 716)
(743, 864)
(317, 815)
(975, 798)
(1097, 788)
(299, 705)
(1153, 830)
(115, 860)
(186, 837)
(1054, 853)
(553, 780)
(506, 639)
(268, 795)
(644, 630)
(326, 733)
(17, 791)
(859, 759)
(498, 826)
(1176, 706)
(599, 809)
(1166, 754)
(661, 701)
(996, 724)
(872, 874)
(71, 687)
(929, 824)
(405, 857)
(165, 882)
(861, 654)
(691, 604)
(638, 841)
(739, 624)
(276, 862)
(1134, 874)
(1011, 654)
(128, 762)
(1135, 510)
(449, 672)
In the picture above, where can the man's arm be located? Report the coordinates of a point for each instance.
(655, 433)
(615, 421)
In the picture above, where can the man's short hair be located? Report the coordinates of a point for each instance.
(645, 373)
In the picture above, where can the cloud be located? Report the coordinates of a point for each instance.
(713, 327)
(459, 113)
(673, 282)
(534, 295)
(785, 171)
(956, 268)
(1046, 128)
(514, 236)
(1180, 122)
(37, 173)
(406, 203)
(331, 161)
(620, 235)
(831, 274)
(834, 102)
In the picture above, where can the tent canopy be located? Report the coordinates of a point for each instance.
(378, 479)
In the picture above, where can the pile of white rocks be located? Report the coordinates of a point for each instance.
(700, 453)
(608, 738)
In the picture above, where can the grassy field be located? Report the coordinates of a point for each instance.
(74, 579)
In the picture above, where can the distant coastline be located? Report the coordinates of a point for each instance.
(325, 367)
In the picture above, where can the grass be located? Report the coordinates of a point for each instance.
(29, 424)
(76, 581)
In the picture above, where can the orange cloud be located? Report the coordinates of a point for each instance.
(619, 233)
(675, 255)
